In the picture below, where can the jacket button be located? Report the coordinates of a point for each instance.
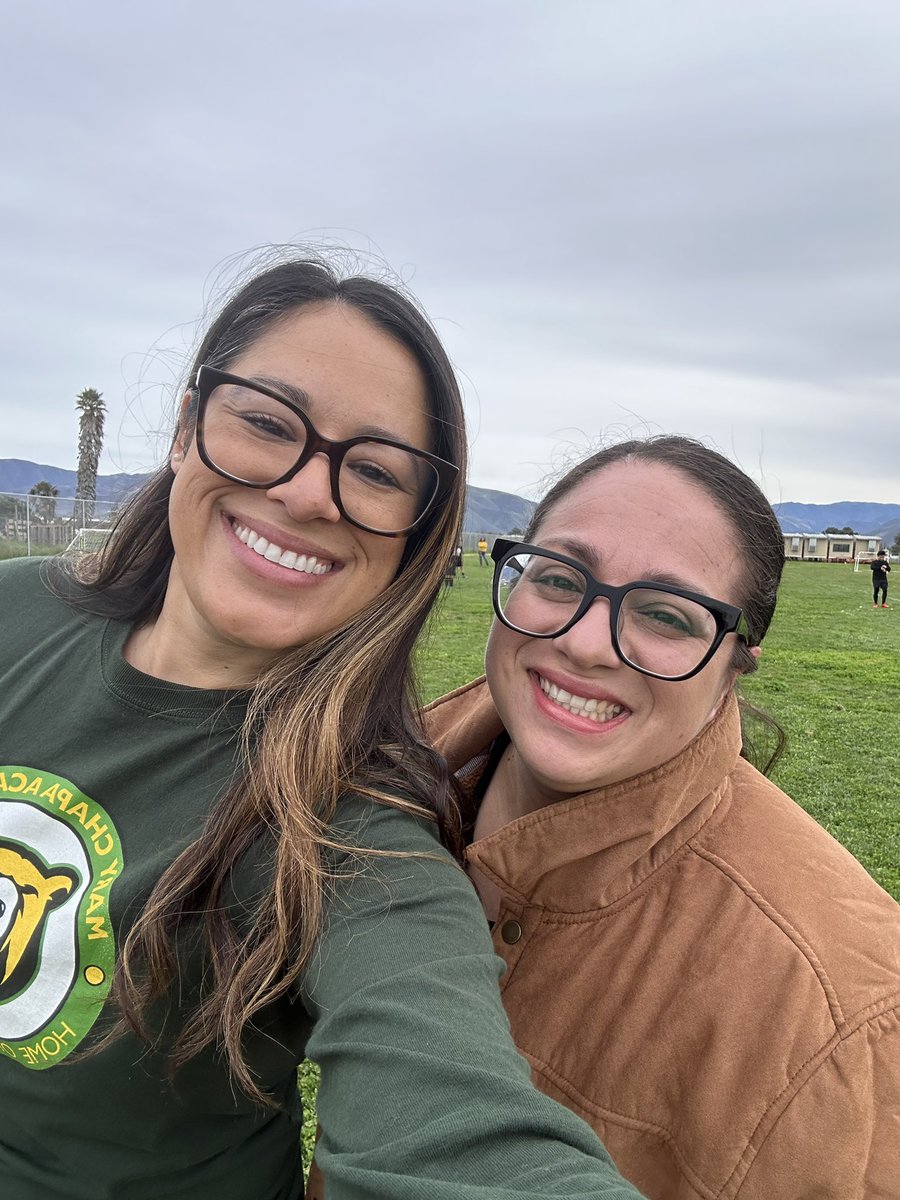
(511, 932)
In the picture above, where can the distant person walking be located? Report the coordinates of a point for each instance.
(482, 552)
(460, 566)
(881, 568)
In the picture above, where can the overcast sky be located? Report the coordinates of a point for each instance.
(622, 215)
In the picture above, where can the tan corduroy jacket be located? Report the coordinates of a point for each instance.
(700, 971)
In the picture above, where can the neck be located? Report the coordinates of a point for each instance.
(511, 793)
(148, 650)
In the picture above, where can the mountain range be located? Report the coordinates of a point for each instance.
(487, 510)
(878, 520)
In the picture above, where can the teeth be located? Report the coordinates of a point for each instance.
(306, 564)
(581, 706)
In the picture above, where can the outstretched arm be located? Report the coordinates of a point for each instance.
(423, 1095)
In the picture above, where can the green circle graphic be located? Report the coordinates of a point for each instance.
(82, 1000)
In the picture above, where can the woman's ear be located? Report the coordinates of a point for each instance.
(182, 437)
(736, 672)
(731, 679)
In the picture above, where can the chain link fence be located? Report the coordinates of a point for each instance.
(34, 524)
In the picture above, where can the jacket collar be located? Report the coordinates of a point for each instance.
(591, 850)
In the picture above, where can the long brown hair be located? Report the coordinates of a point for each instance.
(333, 716)
(756, 531)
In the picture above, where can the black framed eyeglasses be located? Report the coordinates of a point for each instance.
(658, 629)
(251, 434)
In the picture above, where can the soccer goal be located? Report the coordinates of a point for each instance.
(86, 540)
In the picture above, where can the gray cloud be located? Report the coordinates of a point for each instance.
(620, 216)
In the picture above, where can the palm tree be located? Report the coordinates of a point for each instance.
(91, 415)
(45, 505)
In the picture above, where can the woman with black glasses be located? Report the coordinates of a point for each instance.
(693, 965)
(223, 842)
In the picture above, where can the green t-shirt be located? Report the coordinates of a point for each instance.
(105, 775)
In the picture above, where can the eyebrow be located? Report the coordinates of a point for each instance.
(585, 553)
(288, 390)
(301, 399)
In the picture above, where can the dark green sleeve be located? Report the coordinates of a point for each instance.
(423, 1095)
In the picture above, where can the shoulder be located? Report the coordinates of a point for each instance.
(39, 577)
(27, 595)
(381, 854)
(461, 723)
(814, 903)
(798, 951)
(832, 1131)
(361, 825)
(22, 574)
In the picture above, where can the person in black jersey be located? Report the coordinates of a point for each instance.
(880, 570)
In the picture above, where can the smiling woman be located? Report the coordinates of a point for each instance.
(223, 841)
(693, 965)
(230, 605)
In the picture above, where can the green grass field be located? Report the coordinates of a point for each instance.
(20, 549)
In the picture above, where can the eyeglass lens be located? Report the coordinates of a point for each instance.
(666, 634)
(259, 439)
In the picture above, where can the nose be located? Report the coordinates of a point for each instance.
(589, 642)
(307, 495)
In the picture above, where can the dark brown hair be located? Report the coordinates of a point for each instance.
(756, 530)
(332, 716)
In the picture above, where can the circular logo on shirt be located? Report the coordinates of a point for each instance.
(60, 856)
